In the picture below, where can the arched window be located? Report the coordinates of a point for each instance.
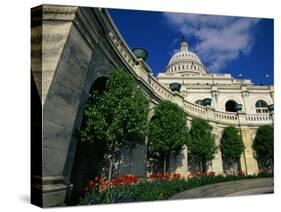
(230, 106)
(261, 106)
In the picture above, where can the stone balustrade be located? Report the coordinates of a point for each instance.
(259, 118)
(160, 89)
(195, 109)
(228, 117)
(127, 55)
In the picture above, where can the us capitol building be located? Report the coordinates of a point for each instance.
(75, 48)
(219, 98)
(221, 92)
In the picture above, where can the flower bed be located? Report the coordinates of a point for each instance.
(103, 191)
(156, 187)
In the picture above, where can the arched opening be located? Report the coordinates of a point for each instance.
(231, 106)
(261, 106)
(88, 159)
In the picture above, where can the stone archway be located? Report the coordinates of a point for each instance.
(88, 157)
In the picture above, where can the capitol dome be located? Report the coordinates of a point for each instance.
(185, 61)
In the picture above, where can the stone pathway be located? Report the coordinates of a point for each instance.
(232, 188)
(264, 190)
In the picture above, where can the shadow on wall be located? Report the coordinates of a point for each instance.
(89, 157)
(89, 161)
(132, 161)
(230, 167)
(265, 166)
(176, 161)
(155, 163)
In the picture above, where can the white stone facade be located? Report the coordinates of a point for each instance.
(186, 68)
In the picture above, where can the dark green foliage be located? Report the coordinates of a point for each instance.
(117, 116)
(168, 131)
(231, 144)
(263, 144)
(118, 113)
(163, 189)
(113, 195)
(201, 145)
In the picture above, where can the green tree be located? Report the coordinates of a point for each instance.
(117, 116)
(201, 145)
(168, 131)
(263, 145)
(231, 146)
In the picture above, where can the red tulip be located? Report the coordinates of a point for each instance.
(91, 184)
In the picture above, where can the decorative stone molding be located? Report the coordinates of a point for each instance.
(55, 12)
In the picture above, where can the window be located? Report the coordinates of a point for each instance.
(230, 106)
(261, 107)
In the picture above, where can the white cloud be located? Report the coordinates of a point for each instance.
(220, 39)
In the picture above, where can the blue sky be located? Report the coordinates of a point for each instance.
(225, 44)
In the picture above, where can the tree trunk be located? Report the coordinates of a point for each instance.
(146, 157)
(110, 169)
(165, 164)
(111, 162)
(239, 166)
(204, 166)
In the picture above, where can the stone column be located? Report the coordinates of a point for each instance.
(214, 93)
(210, 113)
(248, 162)
(66, 77)
(49, 37)
(245, 95)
